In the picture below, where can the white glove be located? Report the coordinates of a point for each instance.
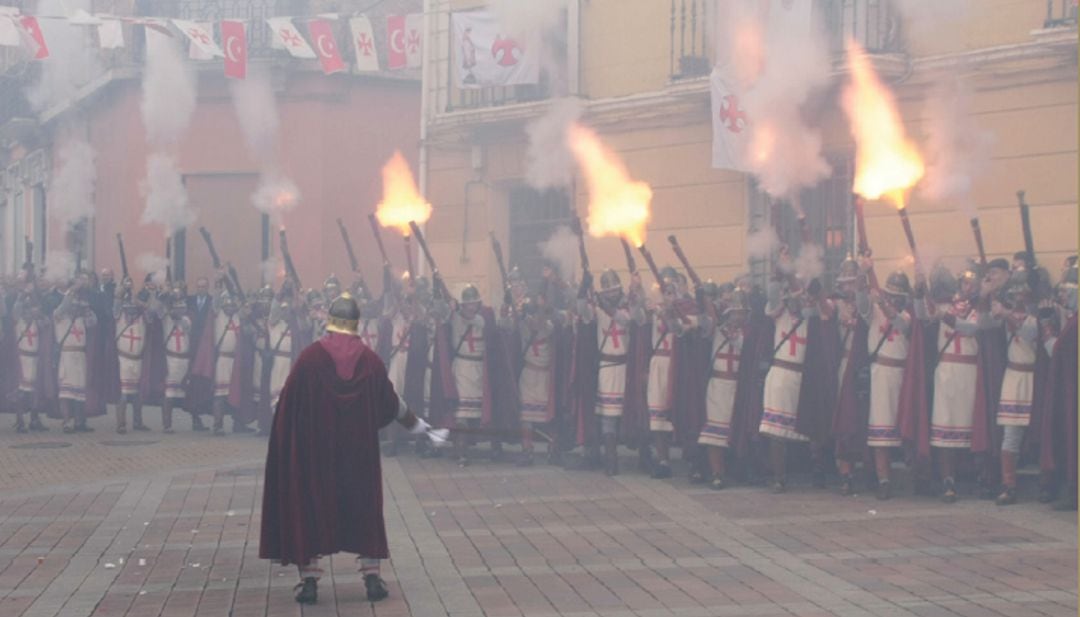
(439, 436)
(420, 427)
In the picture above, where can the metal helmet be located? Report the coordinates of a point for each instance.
(514, 276)
(740, 303)
(470, 294)
(710, 289)
(943, 284)
(313, 297)
(227, 300)
(1017, 285)
(179, 303)
(667, 273)
(343, 316)
(849, 271)
(609, 281)
(1070, 276)
(266, 293)
(897, 284)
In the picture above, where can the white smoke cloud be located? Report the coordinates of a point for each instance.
(168, 91)
(519, 17)
(810, 263)
(924, 19)
(59, 267)
(166, 197)
(782, 62)
(562, 249)
(275, 195)
(548, 161)
(761, 244)
(74, 59)
(154, 265)
(256, 110)
(271, 268)
(71, 194)
(958, 150)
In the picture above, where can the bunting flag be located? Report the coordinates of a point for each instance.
(322, 35)
(290, 38)
(396, 58)
(201, 36)
(33, 32)
(414, 39)
(364, 44)
(234, 42)
(9, 32)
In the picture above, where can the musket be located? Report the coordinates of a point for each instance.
(435, 277)
(629, 253)
(168, 262)
(236, 283)
(1025, 221)
(497, 249)
(210, 247)
(378, 238)
(652, 264)
(694, 278)
(123, 257)
(583, 291)
(290, 267)
(864, 244)
(28, 263)
(409, 258)
(348, 246)
(978, 240)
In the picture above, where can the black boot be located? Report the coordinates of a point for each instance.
(846, 482)
(611, 455)
(376, 587)
(197, 425)
(307, 591)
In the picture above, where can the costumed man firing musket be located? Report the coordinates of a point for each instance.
(36, 370)
(178, 330)
(132, 316)
(74, 324)
(727, 344)
(849, 420)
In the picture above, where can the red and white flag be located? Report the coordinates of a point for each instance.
(486, 55)
(414, 39)
(289, 37)
(322, 34)
(396, 57)
(234, 40)
(33, 32)
(201, 37)
(731, 126)
(9, 30)
(363, 38)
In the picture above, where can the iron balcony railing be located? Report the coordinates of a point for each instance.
(254, 12)
(688, 26)
(1061, 13)
(873, 24)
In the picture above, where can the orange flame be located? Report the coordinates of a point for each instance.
(887, 163)
(618, 206)
(402, 201)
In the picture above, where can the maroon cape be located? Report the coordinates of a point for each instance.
(102, 367)
(155, 369)
(749, 392)
(916, 392)
(817, 391)
(692, 366)
(852, 414)
(1058, 430)
(323, 487)
(9, 364)
(199, 385)
(416, 367)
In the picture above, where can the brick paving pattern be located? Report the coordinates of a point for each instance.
(169, 528)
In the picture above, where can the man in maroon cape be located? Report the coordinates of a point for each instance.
(852, 401)
(323, 488)
(1058, 427)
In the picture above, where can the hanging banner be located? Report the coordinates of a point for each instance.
(414, 40)
(110, 34)
(485, 56)
(322, 34)
(36, 40)
(396, 58)
(201, 37)
(363, 37)
(234, 41)
(9, 30)
(289, 37)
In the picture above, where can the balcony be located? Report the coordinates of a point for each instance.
(1060, 14)
(873, 24)
(260, 40)
(688, 25)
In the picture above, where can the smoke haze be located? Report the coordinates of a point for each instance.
(957, 149)
(168, 91)
(256, 110)
(59, 267)
(562, 250)
(153, 265)
(73, 55)
(761, 244)
(548, 161)
(71, 194)
(166, 197)
(275, 195)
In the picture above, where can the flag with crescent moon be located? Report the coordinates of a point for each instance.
(290, 38)
(363, 39)
(201, 37)
(396, 57)
(322, 36)
(485, 55)
(234, 42)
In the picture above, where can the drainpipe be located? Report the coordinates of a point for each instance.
(425, 80)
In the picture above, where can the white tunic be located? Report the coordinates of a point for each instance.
(29, 344)
(399, 351)
(130, 344)
(720, 395)
(952, 420)
(71, 374)
(535, 380)
(281, 344)
(886, 380)
(611, 382)
(467, 338)
(262, 338)
(1018, 384)
(226, 338)
(177, 355)
(782, 383)
(658, 391)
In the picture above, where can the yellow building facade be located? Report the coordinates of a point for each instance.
(640, 71)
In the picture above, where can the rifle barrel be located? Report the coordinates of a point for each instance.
(378, 238)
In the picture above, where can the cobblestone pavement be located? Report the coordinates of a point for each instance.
(169, 526)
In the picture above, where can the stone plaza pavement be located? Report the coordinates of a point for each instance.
(148, 524)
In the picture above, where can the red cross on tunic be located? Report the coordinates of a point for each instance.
(793, 343)
(729, 360)
(30, 335)
(233, 327)
(887, 332)
(614, 333)
(77, 332)
(665, 342)
(536, 344)
(178, 337)
(957, 342)
(471, 340)
(403, 338)
(131, 337)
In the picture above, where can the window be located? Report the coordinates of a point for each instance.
(40, 224)
(534, 216)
